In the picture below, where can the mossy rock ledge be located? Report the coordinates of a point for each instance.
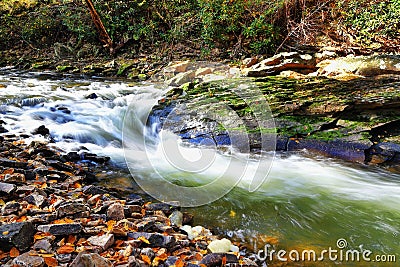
(357, 120)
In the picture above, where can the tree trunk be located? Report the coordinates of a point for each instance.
(104, 37)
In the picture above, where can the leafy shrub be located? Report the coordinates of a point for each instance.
(369, 22)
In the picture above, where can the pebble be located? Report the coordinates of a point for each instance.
(115, 212)
(61, 229)
(63, 222)
(103, 241)
(27, 260)
(7, 188)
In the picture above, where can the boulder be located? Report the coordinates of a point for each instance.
(360, 66)
(282, 62)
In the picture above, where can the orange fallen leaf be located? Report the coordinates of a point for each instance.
(223, 260)
(144, 240)
(22, 219)
(66, 249)
(14, 252)
(146, 259)
(162, 257)
(45, 255)
(9, 171)
(77, 185)
(198, 256)
(110, 225)
(41, 235)
(6, 232)
(179, 263)
(71, 239)
(63, 221)
(51, 262)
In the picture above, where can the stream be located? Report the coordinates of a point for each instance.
(306, 202)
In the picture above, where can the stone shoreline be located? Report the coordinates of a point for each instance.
(54, 214)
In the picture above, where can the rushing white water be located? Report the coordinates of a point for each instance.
(305, 200)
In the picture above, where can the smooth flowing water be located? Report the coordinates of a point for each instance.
(307, 202)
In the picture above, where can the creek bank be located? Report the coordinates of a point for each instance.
(352, 114)
(54, 214)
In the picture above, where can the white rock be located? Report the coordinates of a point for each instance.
(220, 246)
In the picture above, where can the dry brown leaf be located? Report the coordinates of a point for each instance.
(66, 249)
(51, 262)
(14, 252)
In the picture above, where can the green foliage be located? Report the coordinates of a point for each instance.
(238, 27)
(371, 21)
(239, 22)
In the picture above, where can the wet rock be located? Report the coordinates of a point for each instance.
(91, 96)
(15, 178)
(60, 166)
(72, 208)
(85, 259)
(94, 158)
(115, 212)
(12, 163)
(216, 259)
(94, 190)
(26, 260)
(6, 188)
(103, 241)
(71, 156)
(19, 235)
(166, 207)
(176, 218)
(42, 130)
(61, 229)
(382, 153)
(133, 199)
(155, 239)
